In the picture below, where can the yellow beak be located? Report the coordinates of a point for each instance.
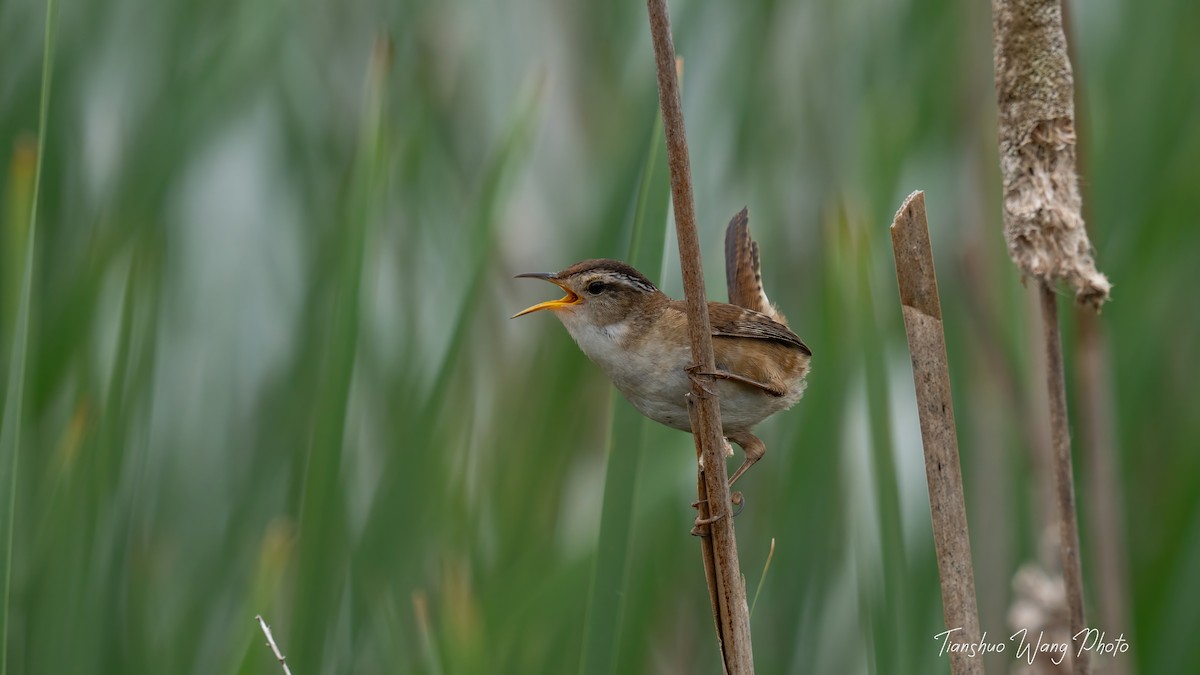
(566, 301)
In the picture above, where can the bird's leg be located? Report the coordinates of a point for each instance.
(752, 446)
(700, 529)
(694, 370)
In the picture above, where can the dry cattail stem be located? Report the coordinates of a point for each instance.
(1043, 219)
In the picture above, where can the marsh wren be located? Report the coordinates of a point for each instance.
(639, 338)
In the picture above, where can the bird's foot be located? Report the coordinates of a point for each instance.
(694, 372)
(701, 528)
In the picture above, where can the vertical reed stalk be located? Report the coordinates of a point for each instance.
(931, 375)
(721, 560)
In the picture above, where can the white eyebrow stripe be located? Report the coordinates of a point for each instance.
(633, 281)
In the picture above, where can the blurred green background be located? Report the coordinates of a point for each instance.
(269, 367)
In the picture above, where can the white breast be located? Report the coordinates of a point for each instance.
(602, 344)
(633, 371)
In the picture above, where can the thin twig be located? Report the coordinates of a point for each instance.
(931, 374)
(1064, 479)
(271, 643)
(729, 591)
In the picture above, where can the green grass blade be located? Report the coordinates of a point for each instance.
(321, 565)
(610, 576)
(762, 579)
(890, 607)
(405, 474)
(10, 433)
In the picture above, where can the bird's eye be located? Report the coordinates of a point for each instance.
(596, 287)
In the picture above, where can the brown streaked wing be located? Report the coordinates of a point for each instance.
(732, 321)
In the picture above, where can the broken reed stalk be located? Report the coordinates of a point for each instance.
(719, 547)
(1043, 219)
(931, 374)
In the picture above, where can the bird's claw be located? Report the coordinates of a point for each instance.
(701, 529)
(694, 372)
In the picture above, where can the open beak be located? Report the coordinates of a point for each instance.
(566, 301)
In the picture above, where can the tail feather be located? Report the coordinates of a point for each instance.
(742, 273)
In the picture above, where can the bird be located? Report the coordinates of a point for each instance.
(639, 337)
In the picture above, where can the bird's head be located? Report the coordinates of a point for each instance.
(600, 294)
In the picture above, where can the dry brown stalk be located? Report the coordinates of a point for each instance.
(1043, 219)
(720, 547)
(931, 375)
(1064, 478)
